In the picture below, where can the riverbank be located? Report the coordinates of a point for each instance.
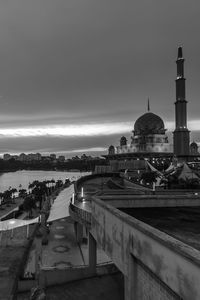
(22, 179)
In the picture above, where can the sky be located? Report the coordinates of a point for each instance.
(75, 75)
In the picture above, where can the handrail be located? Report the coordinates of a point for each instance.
(45, 268)
(81, 213)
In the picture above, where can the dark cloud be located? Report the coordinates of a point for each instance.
(86, 61)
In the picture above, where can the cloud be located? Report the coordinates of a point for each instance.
(193, 125)
(93, 149)
(66, 130)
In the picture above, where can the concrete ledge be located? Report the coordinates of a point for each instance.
(126, 239)
(26, 285)
(128, 201)
(170, 242)
(54, 276)
(79, 215)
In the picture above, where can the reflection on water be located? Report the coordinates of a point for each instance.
(21, 179)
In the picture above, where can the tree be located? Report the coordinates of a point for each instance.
(22, 193)
(1, 200)
(29, 204)
(59, 183)
(7, 197)
(67, 182)
(13, 191)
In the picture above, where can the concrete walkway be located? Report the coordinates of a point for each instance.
(62, 249)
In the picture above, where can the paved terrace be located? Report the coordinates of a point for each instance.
(62, 253)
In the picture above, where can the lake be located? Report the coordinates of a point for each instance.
(23, 178)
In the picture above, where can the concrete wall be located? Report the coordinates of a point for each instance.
(16, 236)
(50, 277)
(53, 276)
(26, 285)
(155, 265)
(131, 185)
(128, 201)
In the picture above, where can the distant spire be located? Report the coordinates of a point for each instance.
(148, 107)
(180, 52)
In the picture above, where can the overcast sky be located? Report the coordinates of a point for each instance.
(75, 75)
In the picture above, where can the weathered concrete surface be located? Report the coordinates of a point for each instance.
(179, 222)
(62, 249)
(63, 258)
(129, 201)
(12, 258)
(126, 239)
(109, 287)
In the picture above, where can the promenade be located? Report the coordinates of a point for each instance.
(6, 210)
(62, 249)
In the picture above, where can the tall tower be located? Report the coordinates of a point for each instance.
(181, 133)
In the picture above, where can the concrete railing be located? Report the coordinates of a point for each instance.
(152, 262)
(130, 201)
(80, 215)
(52, 276)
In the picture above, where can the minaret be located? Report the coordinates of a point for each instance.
(148, 105)
(181, 133)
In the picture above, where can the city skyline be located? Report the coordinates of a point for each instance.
(76, 75)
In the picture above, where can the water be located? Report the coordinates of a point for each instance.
(23, 178)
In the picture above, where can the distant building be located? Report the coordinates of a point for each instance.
(34, 156)
(61, 158)
(53, 156)
(194, 148)
(7, 156)
(149, 139)
(22, 157)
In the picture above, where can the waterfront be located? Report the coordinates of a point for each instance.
(21, 179)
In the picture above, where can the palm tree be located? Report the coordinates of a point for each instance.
(7, 197)
(22, 193)
(52, 184)
(1, 201)
(13, 191)
(29, 204)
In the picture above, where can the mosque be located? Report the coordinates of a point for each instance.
(149, 139)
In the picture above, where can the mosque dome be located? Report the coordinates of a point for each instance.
(111, 150)
(149, 123)
(193, 148)
(123, 141)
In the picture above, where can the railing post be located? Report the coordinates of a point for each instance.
(92, 254)
(130, 280)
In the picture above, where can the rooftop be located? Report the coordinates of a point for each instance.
(183, 223)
